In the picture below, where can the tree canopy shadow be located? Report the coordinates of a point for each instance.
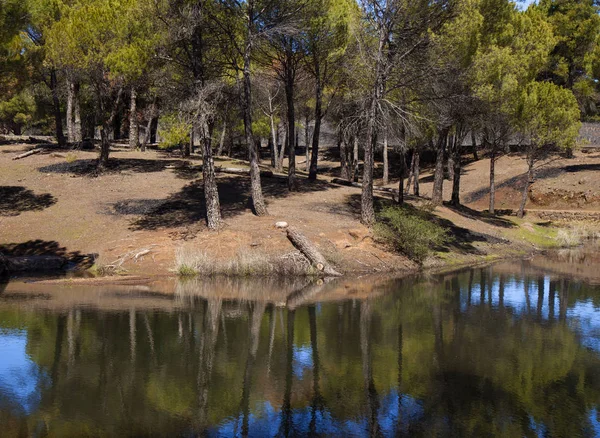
(187, 207)
(75, 259)
(88, 167)
(480, 216)
(540, 173)
(15, 200)
(461, 239)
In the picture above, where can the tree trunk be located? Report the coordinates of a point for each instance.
(438, 177)
(355, 159)
(450, 153)
(401, 175)
(282, 149)
(106, 126)
(291, 118)
(146, 137)
(530, 177)
(258, 202)
(133, 125)
(60, 137)
(310, 251)
(222, 140)
(314, 159)
(211, 193)
(274, 137)
(70, 98)
(366, 201)
(456, 169)
(386, 171)
(411, 174)
(492, 180)
(416, 173)
(474, 143)
(343, 147)
(77, 131)
(306, 141)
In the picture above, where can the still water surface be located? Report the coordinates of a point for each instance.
(507, 350)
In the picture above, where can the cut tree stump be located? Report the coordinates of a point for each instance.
(310, 251)
(28, 153)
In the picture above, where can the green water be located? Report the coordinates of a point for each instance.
(507, 350)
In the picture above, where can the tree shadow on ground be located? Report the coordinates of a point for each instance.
(15, 200)
(75, 259)
(187, 207)
(518, 181)
(480, 216)
(88, 167)
(461, 239)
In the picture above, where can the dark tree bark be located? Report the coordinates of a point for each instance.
(211, 193)
(291, 115)
(456, 170)
(106, 126)
(222, 139)
(474, 143)
(306, 142)
(147, 133)
(343, 147)
(355, 158)
(133, 123)
(416, 173)
(528, 182)
(492, 208)
(258, 202)
(314, 160)
(386, 166)
(60, 137)
(438, 177)
(311, 252)
(401, 175)
(70, 99)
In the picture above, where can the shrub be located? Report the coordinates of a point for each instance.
(173, 133)
(409, 231)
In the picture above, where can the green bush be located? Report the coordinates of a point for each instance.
(409, 231)
(173, 132)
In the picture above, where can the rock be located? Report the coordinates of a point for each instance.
(281, 225)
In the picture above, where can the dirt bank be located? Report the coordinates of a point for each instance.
(150, 205)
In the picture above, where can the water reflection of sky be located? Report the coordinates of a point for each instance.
(302, 360)
(19, 375)
(268, 421)
(582, 316)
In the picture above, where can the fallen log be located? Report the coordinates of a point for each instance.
(344, 182)
(241, 171)
(310, 251)
(28, 153)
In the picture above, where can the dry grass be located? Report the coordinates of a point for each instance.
(246, 263)
(578, 233)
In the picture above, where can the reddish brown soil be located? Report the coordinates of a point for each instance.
(148, 205)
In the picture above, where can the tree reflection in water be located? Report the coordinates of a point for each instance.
(428, 357)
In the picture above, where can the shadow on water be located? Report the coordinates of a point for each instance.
(502, 350)
(15, 200)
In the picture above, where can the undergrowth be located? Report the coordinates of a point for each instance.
(409, 231)
(249, 263)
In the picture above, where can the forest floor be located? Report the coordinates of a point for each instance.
(149, 205)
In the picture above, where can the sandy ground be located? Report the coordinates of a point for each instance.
(150, 205)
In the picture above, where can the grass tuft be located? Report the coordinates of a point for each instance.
(247, 263)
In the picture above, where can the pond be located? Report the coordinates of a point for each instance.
(511, 349)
